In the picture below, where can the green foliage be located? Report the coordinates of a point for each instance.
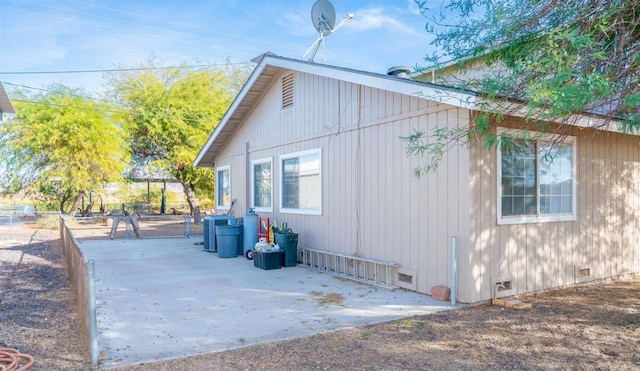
(61, 143)
(133, 193)
(545, 59)
(48, 221)
(560, 58)
(433, 147)
(171, 112)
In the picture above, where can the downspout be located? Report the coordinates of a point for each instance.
(358, 201)
(247, 186)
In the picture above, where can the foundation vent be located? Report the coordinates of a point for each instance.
(406, 279)
(581, 273)
(501, 286)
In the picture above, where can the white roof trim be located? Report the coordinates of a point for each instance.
(424, 90)
(436, 93)
(428, 91)
(234, 105)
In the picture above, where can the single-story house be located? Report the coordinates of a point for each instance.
(320, 147)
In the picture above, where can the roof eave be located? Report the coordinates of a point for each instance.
(205, 158)
(441, 94)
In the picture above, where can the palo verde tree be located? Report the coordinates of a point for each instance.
(170, 113)
(549, 60)
(61, 144)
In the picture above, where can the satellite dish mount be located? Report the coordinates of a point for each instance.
(323, 16)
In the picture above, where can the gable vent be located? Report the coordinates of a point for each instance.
(287, 91)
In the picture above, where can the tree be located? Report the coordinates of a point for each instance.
(61, 144)
(170, 113)
(553, 60)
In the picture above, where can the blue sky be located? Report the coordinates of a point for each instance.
(64, 35)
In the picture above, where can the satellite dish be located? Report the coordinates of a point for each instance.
(323, 17)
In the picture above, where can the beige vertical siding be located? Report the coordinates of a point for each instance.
(540, 256)
(372, 205)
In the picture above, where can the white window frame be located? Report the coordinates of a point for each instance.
(539, 218)
(220, 206)
(268, 160)
(305, 211)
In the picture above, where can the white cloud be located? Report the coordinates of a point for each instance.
(296, 23)
(377, 18)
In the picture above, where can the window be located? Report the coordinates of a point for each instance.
(301, 183)
(262, 185)
(223, 187)
(536, 179)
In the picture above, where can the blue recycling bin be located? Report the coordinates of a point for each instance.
(227, 240)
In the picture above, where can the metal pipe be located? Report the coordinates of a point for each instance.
(187, 226)
(454, 269)
(93, 326)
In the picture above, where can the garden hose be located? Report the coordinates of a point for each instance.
(13, 360)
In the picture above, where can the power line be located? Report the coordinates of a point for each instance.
(105, 22)
(122, 69)
(97, 100)
(86, 108)
(179, 24)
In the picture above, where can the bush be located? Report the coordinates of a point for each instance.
(48, 221)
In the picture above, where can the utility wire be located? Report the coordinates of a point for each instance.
(97, 100)
(252, 40)
(123, 69)
(107, 110)
(154, 31)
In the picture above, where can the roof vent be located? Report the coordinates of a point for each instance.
(399, 71)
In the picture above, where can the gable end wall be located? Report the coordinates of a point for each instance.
(372, 205)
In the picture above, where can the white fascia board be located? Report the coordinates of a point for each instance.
(583, 121)
(223, 122)
(444, 95)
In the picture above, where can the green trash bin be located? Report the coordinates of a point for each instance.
(227, 240)
(289, 245)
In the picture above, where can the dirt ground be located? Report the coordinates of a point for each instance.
(588, 327)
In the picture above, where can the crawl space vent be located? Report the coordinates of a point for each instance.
(582, 273)
(406, 279)
(287, 91)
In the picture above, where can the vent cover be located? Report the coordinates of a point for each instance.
(287, 91)
(582, 273)
(501, 286)
(406, 279)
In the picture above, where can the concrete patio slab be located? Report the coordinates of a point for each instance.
(166, 298)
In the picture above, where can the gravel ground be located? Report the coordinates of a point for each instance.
(587, 327)
(37, 310)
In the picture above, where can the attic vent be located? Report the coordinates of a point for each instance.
(287, 91)
(399, 71)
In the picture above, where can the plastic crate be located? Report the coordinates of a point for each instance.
(267, 259)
